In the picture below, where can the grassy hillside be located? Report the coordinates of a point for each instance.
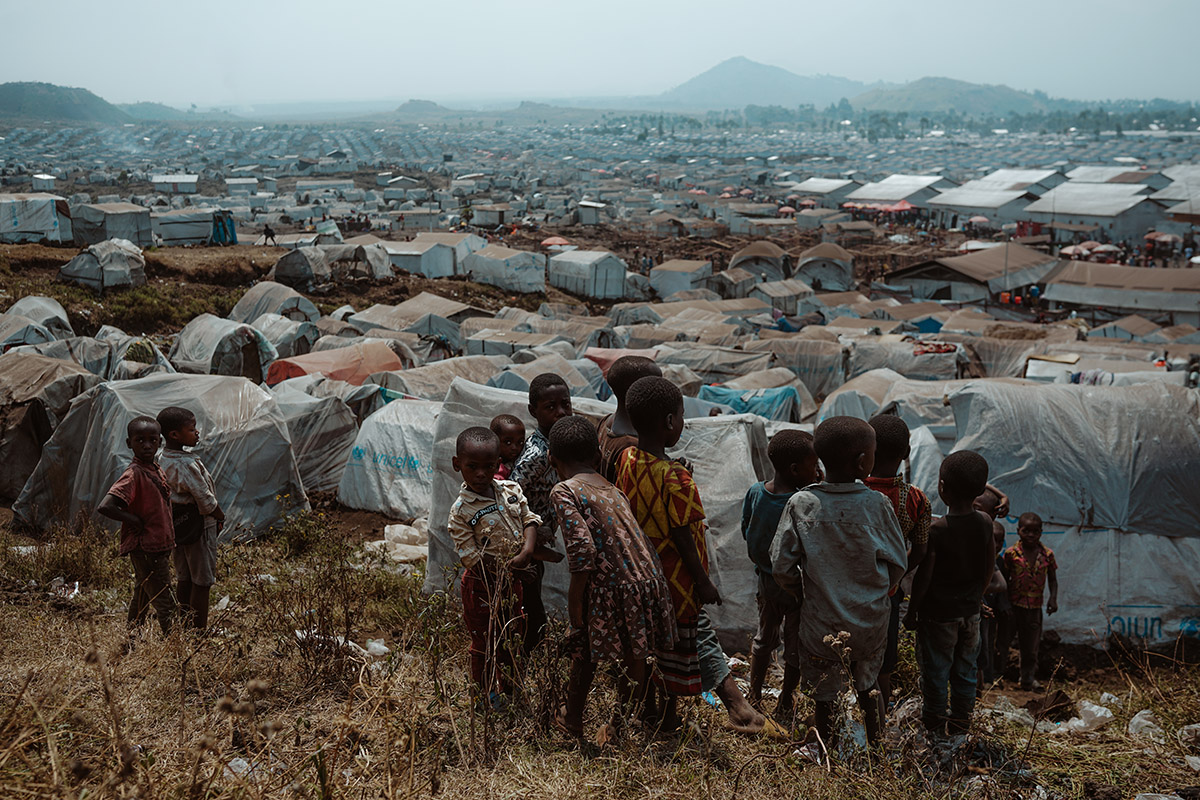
(47, 102)
(946, 94)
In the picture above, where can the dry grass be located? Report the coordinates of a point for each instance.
(253, 711)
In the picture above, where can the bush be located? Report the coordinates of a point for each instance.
(89, 556)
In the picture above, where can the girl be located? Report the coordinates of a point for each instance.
(619, 602)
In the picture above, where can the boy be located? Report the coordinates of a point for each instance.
(995, 631)
(197, 515)
(549, 401)
(511, 432)
(795, 461)
(839, 544)
(139, 501)
(948, 594)
(494, 531)
(615, 431)
(1029, 566)
(912, 512)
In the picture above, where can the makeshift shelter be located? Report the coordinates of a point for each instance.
(269, 297)
(679, 276)
(713, 364)
(364, 400)
(1172, 292)
(517, 377)
(45, 311)
(1133, 328)
(113, 356)
(429, 258)
(288, 337)
(1110, 471)
(734, 282)
(821, 366)
(112, 264)
(35, 394)
(16, 330)
(597, 274)
(98, 222)
(978, 275)
(245, 446)
(926, 361)
(390, 470)
(302, 268)
(322, 430)
(826, 268)
(765, 259)
(774, 394)
(210, 345)
(784, 296)
(352, 364)
(512, 270)
(860, 396)
(31, 217)
(463, 245)
(186, 226)
(727, 454)
(431, 381)
(369, 261)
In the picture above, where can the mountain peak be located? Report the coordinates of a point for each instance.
(739, 81)
(46, 101)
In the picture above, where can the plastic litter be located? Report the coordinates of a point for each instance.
(403, 544)
(1111, 700)
(1092, 717)
(712, 700)
(377, 647)
(1005, 709)
(1193, 762)
(221, 604)
(1156, 796)
(236, 767)
(1145, 725)
(1189, 735)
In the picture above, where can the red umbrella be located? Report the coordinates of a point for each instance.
(792, 197)
(786, 210)
(554, 240)
(729, 189)
(808, 201)
(851, 205)
(726, 195)
(746, 192)
(903, 205)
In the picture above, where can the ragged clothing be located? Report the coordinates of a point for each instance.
(482, 526)
(143, 489)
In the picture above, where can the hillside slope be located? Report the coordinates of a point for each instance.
(47, 102)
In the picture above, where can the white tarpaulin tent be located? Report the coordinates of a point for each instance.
(821, 366)
(210, 345)
(728, 454)
(322, 430)
(33, 217)
(859, 397)
(244, 443)
(45, 311)
(111, 264)
(432, 381)
(302, 268)
(589, 273)
(116, 357)
(97, 222)
(391, 469)
(184, 226)
(1111, 471)
(16, 330)
(268, 297)
(288, 337)
(917, 360)
(513, 270)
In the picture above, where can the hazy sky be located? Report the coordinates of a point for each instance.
(237, 53)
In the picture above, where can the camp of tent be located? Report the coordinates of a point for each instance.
(1095, 433)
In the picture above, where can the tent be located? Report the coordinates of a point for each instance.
(820, 365)
(776, 389)
(112, 264)
(517, 377)
(244, 443)
(391, 469)
(352, 364)
(826, 268)
(927, 361)
(31, 217)
(116, 358)
(1109, 470)
(371, 261)
(728, 454)
(268, 297)
(302, 268)
(597, 274)
(860, 396)
(35, 394)
(784, 296)
(16, 330)
(45, 311)
(322, 430)
(513, 270)
(431, 259)
(364, 399)
(765, 259)
(98, 222)
(191, 226)
(210, 345)
(713, 364)
(287, 336)
(678, 276)
(431, 381)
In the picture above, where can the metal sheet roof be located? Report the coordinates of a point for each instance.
(1089, 199)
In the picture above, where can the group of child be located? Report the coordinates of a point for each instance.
(168, 510)
(830, 548)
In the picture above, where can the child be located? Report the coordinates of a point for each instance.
(948, 594)
(549, 401)
(619, 603)
(493, 530)
(912, 512)
(196, 514)
(139, 501)
(1028, 567)
(615, 431)
(511, 432)
(995, 626)
(666, 504)
(795, 461)
(839, 543)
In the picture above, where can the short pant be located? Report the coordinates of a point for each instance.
(825, 678)
(196, 563)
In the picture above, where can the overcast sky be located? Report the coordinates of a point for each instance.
(238, 53)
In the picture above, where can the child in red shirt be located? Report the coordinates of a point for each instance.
(1028, 567)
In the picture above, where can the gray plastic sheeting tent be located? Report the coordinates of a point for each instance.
(45, 311)
(269, 297)
(243, 441)
(111, 264)
(390, 470)
(210, 345)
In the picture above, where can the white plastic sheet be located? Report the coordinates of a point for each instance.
(45, 311)
(323, 430)
(216, 346)
(268, 297)
(390, 469)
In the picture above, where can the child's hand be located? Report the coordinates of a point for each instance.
(1052, 606)
(986, 612)
(543, 553)
(707, 593)
(520, 561)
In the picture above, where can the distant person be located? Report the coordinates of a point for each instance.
(1029, 567)
(268, 235)
(948, 596)
(197, 514)
(140, 501)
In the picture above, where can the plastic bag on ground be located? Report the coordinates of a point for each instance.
(1145, 725)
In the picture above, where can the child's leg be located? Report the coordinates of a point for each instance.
(791, 662)
(825, 723)
(535, 608)
(139, 602)
(578, 685)
(871, 703)
(1003, 643)
(475, 617)
(1029, 633)
(158, 588)
(891, 656)
(770, 618)
(183, 594)
(962, 674)
(199, 600)
(935, 652)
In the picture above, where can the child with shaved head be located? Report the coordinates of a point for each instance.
(839, 545)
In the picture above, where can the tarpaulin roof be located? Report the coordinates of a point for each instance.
(353, 364)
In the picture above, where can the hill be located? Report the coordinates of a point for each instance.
(945, 94)
(738, 82)
(47, 102)
(159, 112)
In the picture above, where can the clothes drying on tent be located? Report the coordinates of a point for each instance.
(269, 297)
(390, 470)
(45, 311)
(244, 444)
(111, 264)
(210, 345)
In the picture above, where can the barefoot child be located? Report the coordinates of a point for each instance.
(948, 595)
(197, 515)
(615, 431)
(666, 504)
(511, 432)
(619, 603)
(549, 401)
(840, 544)
(494, 531)
(795, 461)
(1029, 567)
(139, 500)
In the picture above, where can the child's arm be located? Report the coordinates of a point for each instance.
(706, 592)
(528, 545)
(575, 596)
(115, 508)
(786, 554)
(1001, 500)
(463, 535)
(1052, 582)
(997, 584)
(921, 583)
